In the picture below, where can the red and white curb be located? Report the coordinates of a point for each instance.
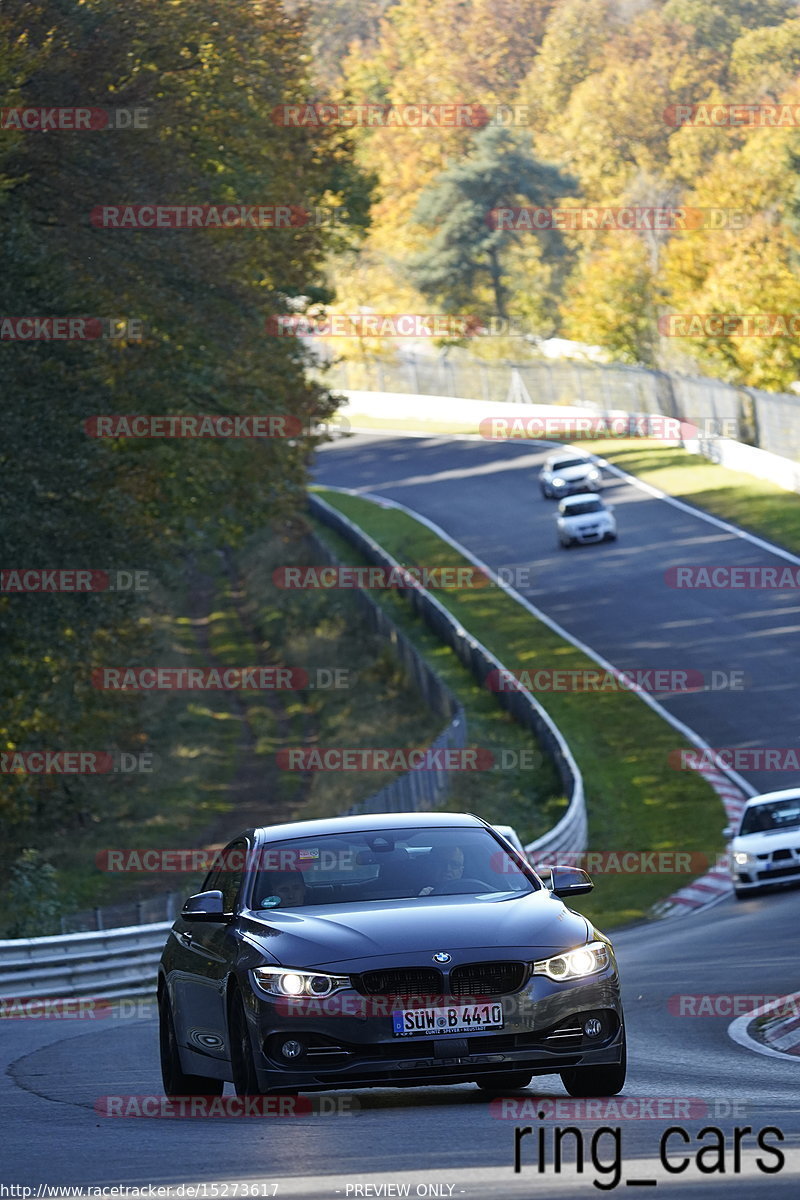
(779, 1036)
(716, 884)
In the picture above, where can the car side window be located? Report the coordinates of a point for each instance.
(230, 873)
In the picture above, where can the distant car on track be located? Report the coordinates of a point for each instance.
(386, 950)
(583, 519)
(765, 848)
(566, 473)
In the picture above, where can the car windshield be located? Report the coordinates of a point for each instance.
(563, 463)
(772, 817)
(384, 864)
(586, 506)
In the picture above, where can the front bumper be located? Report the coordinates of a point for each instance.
(576, 487)
(542, 1034)
(755, 876)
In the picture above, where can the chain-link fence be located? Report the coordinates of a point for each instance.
(769, 420)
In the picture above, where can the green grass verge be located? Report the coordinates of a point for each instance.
(531, 800)
(635, 801)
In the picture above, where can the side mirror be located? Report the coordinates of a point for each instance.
(728, 832)
(570, 881)
(204, 906)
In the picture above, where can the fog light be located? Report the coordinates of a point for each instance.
(593, 1027)
(292, 1048)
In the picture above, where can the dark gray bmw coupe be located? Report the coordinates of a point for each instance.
(386, 951)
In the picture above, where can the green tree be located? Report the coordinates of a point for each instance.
(465, 253)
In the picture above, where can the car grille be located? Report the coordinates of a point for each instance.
(487, 979)
(406, 981)
(778, 872)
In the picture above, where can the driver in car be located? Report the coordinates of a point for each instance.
(447, 863)
(287, 890)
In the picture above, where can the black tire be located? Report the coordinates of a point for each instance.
(507, 1081)
(245, 1080)
(546, 493)
(605, 1080)
(740, 894)
(565, 545)
(176, 1083)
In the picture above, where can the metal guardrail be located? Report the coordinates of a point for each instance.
(416, 790)
(764, 419)
(115, 962)
(122, 962)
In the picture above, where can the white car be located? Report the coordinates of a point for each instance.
(765, 849)
(511, 835)
(565, 473)
(582, 519)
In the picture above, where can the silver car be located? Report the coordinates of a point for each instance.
(765, 849)
(582, 519)
(565, 473)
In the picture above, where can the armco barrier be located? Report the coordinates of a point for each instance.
(115, 962)
(122, 962)
(415, 791)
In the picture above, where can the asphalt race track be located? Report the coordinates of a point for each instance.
(684, 1070)
(57, 1070)
(613, 596)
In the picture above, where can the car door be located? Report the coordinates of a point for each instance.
(204, 959)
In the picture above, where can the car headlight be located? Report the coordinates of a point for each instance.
(280, 981)
(575, 964)
(559, 482)
(742, 859)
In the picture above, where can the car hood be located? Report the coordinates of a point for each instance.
(586, 518)
(399, 931)
(570, 473)
(765, 843)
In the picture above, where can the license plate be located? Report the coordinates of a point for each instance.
(453, 1018)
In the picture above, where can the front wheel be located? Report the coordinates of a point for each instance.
(605, 1080)
(176, 1083)
(507, 1081)
(245, 1080)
